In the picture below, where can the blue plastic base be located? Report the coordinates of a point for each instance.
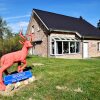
(13, 78)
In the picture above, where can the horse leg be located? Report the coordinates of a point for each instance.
(25, 64)
(2, 86)
(19, 66)
(20, 69)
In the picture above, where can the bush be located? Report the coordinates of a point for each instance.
(9, 41)
(8, 45)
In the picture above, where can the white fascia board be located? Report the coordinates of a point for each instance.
(41, 20)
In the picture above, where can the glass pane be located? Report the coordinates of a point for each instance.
(59, 47)
(65, 47)
(62, 38)
(72, 47)
(52, 48)
(52, 40)
(77, 47)
(57, 39)
(67, 39)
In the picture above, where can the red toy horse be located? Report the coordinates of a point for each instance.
(15, 57)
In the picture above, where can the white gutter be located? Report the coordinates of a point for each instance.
(41, 20)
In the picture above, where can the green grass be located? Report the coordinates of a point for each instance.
(73, 74)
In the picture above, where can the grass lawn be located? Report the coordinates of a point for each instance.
(61, 79)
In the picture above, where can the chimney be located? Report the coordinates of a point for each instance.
(81, 18)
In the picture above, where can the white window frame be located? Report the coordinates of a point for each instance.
(55, 46)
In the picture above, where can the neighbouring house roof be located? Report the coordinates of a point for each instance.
(59, 22)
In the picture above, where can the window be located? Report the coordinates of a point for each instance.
(72, 47)
(77, 47)
(52, 48)
(65, 47)
(33, 29)
(98, 46)
(59, 47)
(38, 29)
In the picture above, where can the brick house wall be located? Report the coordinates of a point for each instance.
(41, 48)
(93, 48)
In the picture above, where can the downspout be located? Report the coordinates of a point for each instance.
(47, 47)
(48, 41)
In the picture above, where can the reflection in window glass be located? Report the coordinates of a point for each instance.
(52, 47)
(72, 47)
(59, 47)
(65, 47)
(77, 47)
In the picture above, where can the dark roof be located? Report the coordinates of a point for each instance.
(61, 22)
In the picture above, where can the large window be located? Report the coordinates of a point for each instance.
(65, 47)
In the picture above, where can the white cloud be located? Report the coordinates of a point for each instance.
(17, 17)
(23, 24)
(17, 26)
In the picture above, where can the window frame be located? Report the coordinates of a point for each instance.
(69, 41)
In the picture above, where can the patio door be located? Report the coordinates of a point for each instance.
(85, 50)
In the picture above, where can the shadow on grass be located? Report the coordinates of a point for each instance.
(96, 57)
(28, 57)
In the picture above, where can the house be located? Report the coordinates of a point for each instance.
(62, 36)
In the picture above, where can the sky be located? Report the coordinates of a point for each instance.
(17, 12)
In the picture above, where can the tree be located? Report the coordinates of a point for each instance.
(3, 27)
(9, 41)
(98, 25)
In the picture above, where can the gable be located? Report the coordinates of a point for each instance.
(53, 21)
